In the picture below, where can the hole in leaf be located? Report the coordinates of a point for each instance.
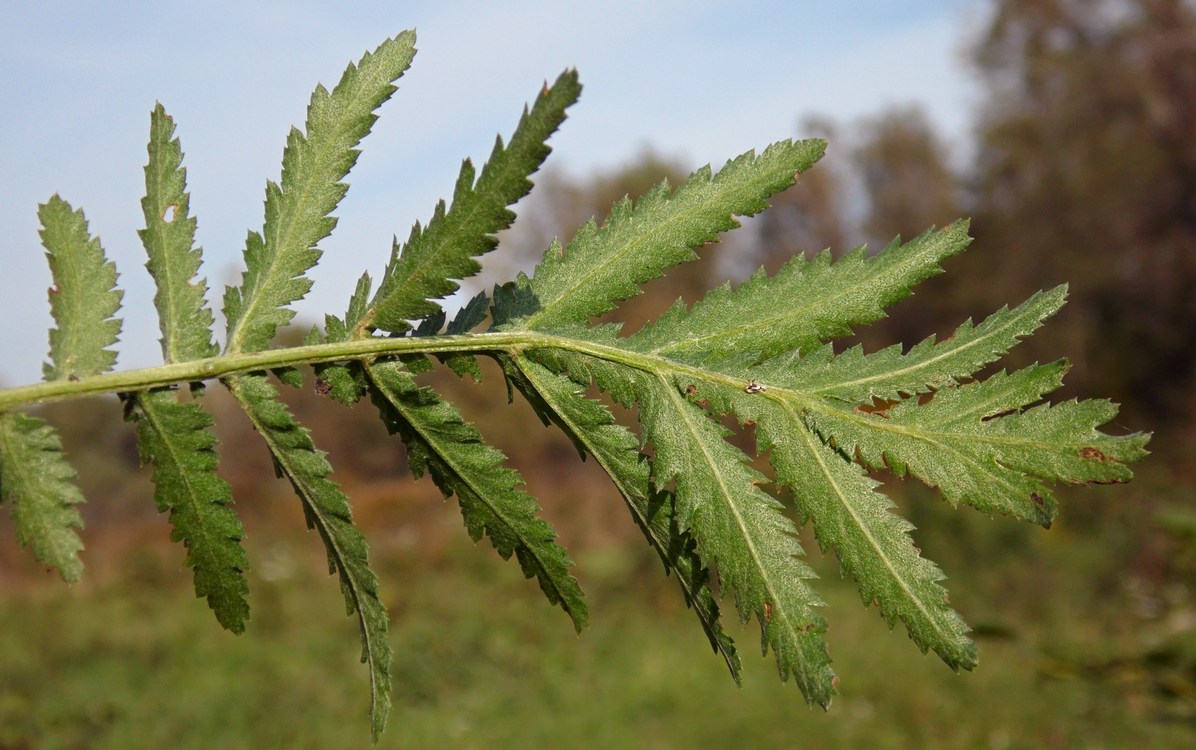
(169, 214)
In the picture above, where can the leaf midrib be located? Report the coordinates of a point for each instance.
(331, 540)
(712, 197)
(686, 410)
(877, 549)
(448, 458)
(289, 223)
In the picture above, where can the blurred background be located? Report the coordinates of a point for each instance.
(1069, 138)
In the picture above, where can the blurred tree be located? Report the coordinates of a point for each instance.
(908, 186)
(908, 183)
(808, 217)
(1086, 173)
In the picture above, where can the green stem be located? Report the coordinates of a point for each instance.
(510, 342)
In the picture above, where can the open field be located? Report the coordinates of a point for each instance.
(130, 659)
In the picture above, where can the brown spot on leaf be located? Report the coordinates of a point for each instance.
(322, 387)
(767, 612)
(691, 389)
(1088, 453)
(878, 407)
(1036, 499)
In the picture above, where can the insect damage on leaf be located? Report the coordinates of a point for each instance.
(763, 351)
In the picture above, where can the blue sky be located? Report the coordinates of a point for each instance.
(702, 81)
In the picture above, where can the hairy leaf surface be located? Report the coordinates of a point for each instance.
(890, 375)
(424, 269)
(38, 484)
(298, 211)
(593, 429)
(175, 438)
(604, 265)
(327, 511)
(977, 445)
(762, 351)
(850, 516)
(169, 239)
(970, 440)
(740, 529)
(440, 442)
(84, 296)
(802, 305)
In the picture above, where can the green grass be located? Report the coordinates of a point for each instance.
(134, 660)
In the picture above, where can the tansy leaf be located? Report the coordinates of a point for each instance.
(298, 210)
(762, 351)
(38, 484)
(441, 443)
(84, 296)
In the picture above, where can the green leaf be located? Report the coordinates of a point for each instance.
(848, 515)
(741, 530)
(468, 317)
(169, 238)
(344, 381)
(174, 437)
(739, 350)
(802, 305)
(423, 270)
(327, 511)
(440, 442)
(761, 351)
(37, 481)
(592, 428)
(889, 375)
(84, 296)
(604, 265)
(298, 212)
(978, 446)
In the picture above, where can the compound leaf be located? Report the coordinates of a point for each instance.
(761, 351)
